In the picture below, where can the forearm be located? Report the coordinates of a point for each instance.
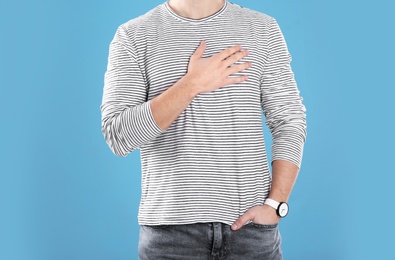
(284, 175)
(283, 178)
(171, 103)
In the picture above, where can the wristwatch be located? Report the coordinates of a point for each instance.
(280, 207)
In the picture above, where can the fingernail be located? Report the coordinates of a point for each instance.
(234, 226)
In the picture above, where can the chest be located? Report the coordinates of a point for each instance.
(166, 55)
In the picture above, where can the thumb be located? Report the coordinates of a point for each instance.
(200, 50)
(241, 221)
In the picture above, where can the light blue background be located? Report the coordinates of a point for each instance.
(64, 195)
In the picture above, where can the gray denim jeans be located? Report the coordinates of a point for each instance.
(214, 241)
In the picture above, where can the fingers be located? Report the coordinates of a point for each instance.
(240, 222)
(235, 57)
(199, 50)
(234, 80)
(222, 61)
(235, 69)
(228, 52)
(239, 67)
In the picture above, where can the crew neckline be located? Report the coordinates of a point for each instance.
(191, 20)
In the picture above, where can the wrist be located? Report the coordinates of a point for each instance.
(271, 209)
(278, 196)
(281, 207)
(190, 85)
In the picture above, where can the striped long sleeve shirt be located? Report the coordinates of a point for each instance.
(211, 163)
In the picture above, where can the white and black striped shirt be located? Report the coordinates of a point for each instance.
(210, 164)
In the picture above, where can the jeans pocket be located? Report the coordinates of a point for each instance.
(266, 226)
(155, 226)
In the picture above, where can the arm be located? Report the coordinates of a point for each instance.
(286, 119)
(204, 75)
(170, 104)
(129, 121)
(284, 175)
(281, 102)
(285, 115)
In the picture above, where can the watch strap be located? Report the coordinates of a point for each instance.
(272, 203)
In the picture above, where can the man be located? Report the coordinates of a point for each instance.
(186, 83)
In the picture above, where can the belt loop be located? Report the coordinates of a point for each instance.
(217, 239)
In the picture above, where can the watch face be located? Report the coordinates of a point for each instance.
(283, 209)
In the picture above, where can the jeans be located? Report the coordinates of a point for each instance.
(214, 241)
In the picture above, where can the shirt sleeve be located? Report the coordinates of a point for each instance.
(126, 117)
(281, 102)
